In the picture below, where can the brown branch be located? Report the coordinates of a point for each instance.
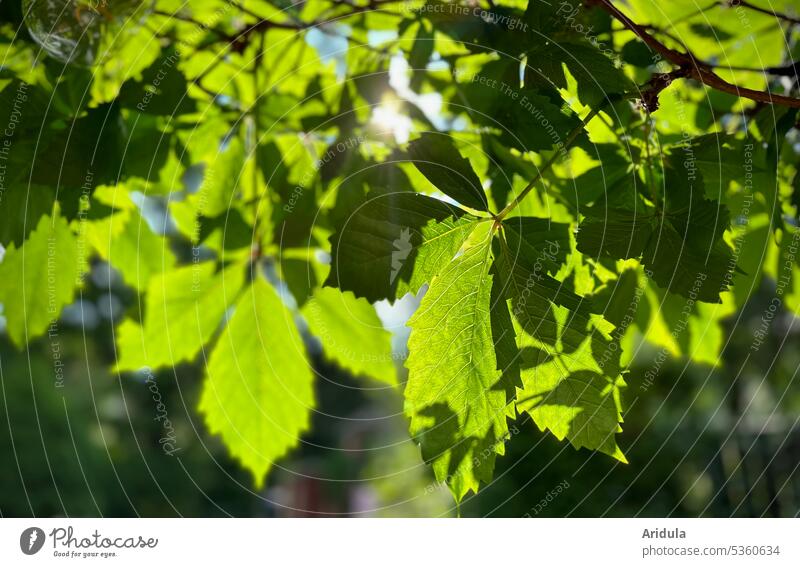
(789, 70)
(691, 66)
(264, 24)
(653, 88)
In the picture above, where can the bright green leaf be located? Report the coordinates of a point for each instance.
(441, 163)
(258, 392)
(184, 308)
(455, 397)
(570, 364)
(351, 333)
(39, 278)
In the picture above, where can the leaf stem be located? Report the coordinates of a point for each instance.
(571, 137)
(256, 133)
(648, 129)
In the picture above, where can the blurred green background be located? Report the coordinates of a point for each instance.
(701, 441)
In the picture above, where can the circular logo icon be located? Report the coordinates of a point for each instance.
(31, 540)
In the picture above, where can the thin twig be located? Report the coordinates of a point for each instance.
(264, 24)
(779, 15)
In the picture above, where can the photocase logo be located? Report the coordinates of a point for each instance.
(31, 540)
(402, 247)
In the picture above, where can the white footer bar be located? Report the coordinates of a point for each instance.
(368, 542)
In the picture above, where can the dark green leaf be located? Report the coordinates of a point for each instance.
(402, 240)
(440, 162)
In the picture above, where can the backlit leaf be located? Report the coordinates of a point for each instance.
(258, 393)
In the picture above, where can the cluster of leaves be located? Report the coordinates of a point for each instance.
(245, 170)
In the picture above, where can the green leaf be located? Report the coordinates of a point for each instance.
(709, 31)
(301, 275)
(569, 362)
(221, 178)
(505, 344)
(351, 333)
(541, 240)
(258, 392)
(230, 228)
(184, 308)
(612, 180)
(420, 53)
(38, 279)
(688, 259)
(636, 52)
(162, 89)
(595, 73)
(681, 246)
(21, 209)
(455, 396)
(720, 158)
(439, 161)
(83, 152)
(533, 121)
(25, 104)
(616, 233)
(545, 17)
(529, 119)
(402, 240)
(125, 241)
